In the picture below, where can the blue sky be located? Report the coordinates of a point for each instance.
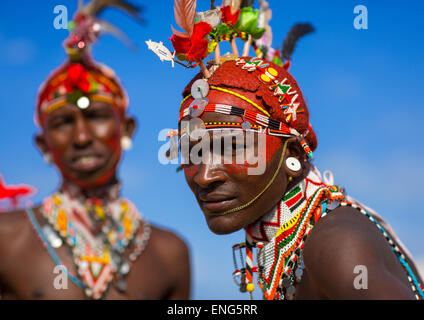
(363, 88)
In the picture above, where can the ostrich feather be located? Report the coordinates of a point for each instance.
(95, 7)
(295, 33)
(247, 3)
(107, 27)
(185, 14)
(235, 5)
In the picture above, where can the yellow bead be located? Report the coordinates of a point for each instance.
(265, 78)
(250, 287)
(272, 72)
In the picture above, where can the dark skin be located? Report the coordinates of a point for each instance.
(339, 242)
(85, 145)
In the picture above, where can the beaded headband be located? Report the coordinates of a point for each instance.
(261, 124)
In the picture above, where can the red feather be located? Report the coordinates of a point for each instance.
(14, 192)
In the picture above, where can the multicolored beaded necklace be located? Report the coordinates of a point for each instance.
(98, 231)
(280, 235)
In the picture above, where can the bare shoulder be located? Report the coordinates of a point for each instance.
(342, 244)
(168, 244)
(174, 254)
(10, 223)
(345, 232)
(14, 225)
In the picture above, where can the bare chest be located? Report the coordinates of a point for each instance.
(31, 273)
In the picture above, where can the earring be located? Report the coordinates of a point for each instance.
(48, 157)
(293, 164)
(126, 143)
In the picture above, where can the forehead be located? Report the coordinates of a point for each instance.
(71, 108)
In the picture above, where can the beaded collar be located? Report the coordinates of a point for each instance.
(98, 231)
(280, 235)
(284, 231)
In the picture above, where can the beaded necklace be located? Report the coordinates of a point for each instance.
(280, 235)
(98, 231)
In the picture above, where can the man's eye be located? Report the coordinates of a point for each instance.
(98, 115)
(60, 122)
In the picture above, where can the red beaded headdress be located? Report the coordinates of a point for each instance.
(283, 111)
(80, 79)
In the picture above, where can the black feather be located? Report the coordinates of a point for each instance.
(247, 3)
(95, 7)
(295, 33)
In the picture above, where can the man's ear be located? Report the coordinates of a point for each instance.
(295, 150)
(41, 144)
(129, 126)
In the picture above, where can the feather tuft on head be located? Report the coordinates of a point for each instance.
(185, 15)
(295, 33)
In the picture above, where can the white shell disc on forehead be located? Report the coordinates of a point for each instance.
(197, 107)
(83, 103)
(199, 89)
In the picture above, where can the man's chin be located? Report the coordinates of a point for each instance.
(95, 178)
(89, 180)
(224, 224)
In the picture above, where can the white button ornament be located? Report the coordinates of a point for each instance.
(199, 89)
(197, 107)
(293, 164)
(83, 103)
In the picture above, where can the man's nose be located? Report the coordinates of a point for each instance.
(82, 135)
(209, 175)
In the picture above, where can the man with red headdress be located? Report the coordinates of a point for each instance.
(92, 244)
(313, 241)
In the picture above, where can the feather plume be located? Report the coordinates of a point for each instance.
(295, 33)
(95, 7)
(185, 14)
(235, 5)
(107, 27)
(247, 3)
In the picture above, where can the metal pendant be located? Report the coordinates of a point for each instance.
(195, 128)
(199, 89)
(121, 285)
(54, 240)
(286, 282)
(125, 268)
(197, 107)
(299, 273)
(290, 291)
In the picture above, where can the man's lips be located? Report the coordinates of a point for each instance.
(217, 203)
(87, 162)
